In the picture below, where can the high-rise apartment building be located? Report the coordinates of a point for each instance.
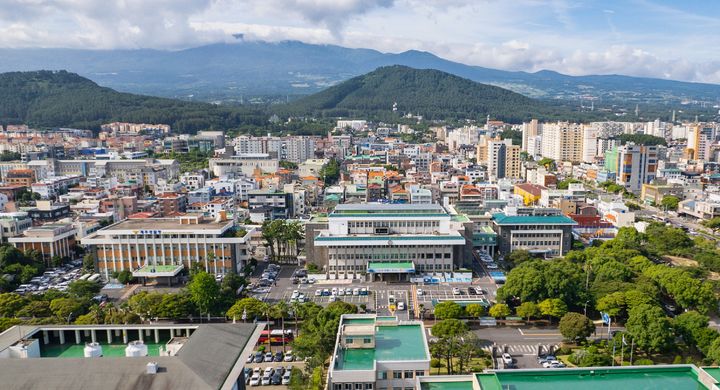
(529, 130)
(699, 139)
(503, 159)
(562, 141)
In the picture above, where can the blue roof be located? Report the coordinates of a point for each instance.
(502, 219)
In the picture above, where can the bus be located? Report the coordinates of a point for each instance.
(276, 337)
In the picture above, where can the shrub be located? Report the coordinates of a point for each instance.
(435, 363)
(643, 362)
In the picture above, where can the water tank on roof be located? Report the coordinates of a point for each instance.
(92, 350)
(136, 349)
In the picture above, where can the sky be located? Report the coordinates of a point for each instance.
(654, 38)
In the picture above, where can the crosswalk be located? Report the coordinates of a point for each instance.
(516, 349)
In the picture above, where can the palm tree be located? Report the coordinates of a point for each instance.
(267, 311)
(297, 310)
(281, 310)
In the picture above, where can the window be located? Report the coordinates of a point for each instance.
(337, 386)
(348, 386)
(367, 341)
(397, 374)
(348, 341)
(419, 373)
(358, 386)
(382, 375)
(408, 374)
(368, 386)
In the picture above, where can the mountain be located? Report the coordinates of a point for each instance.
(242, 70)
(63, 99)
(430, 93)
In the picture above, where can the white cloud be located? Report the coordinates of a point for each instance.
(526, 35)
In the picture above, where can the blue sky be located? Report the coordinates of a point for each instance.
(656, 38)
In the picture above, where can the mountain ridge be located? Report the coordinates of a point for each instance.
(235, 71)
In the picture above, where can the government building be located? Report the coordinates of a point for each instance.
(389, 242)
(163, 246)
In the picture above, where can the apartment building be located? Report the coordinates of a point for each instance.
(562, 141)
(503, 160)
(22, 177)
(373, 352)
(388, 241)
(181, 241)
(634, 165)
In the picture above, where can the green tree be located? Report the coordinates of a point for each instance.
(475, 310)
(528, 310)
(712, 224)
(36, 309)
(612, 304)
(499, 310)
(146, 304)
(449, 328)
(713, 352)
(553, 307)
(89, 262)
(84, 288)
(692, 327)
(650, 327)
(576, 327)
(204, 292)
(65, 308)
(330, 172)
(517, 257)
(125, 276)
(252, 307)
(10, 304)
(670, 202)
(448, 309)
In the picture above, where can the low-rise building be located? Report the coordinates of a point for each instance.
(549, 235)
(50, 239)
(373, 352)
(181, 242)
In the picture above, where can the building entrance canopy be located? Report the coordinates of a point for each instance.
(389, 267)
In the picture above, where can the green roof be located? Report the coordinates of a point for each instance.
(359, 321)
(78, 350)
(678, 377)
(386, 214)
(465, 385)
(502, 219)
(357, 359)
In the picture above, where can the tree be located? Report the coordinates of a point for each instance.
(449, 328)
(517, 257)
(125, 276)
(65, 308)
(527, 310)
(84, 288)
(576, 327)
(612, 304)
(548, 163)
(650, 327)
(330, 172)
(36, 309)
(448, 309)
(499, 310)
(712, 224)
(89, 262)
(670, 202)
(10, 304)
(475, 310)
(204, 292)
(713, 352)
(553, 307)
(691, 327)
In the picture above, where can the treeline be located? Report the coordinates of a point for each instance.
(628, 278)
(63, 99)
(433, 94)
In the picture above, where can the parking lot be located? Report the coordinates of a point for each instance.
(262, 367)
(55, 278)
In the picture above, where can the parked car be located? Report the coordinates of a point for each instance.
(286, 378)
(334, 291)
(326, 292)
(333, 298)
(278, 357)
(341, 292)
(356, 291)
(401, 305)
(507, 358)
(471, 291)
(268, 357)
(255, 380)
(318, 293)
(288, 356)
(492, 266)
(420, 292)
(250, 359)
(259, 357)
(276, 379)
(456, 291)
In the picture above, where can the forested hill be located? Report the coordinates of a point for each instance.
(63, 99)
(430, 93)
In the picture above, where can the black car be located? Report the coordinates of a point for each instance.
(276, 379)
(278, 357)
(471, 291)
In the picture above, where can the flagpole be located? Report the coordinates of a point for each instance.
(622, 350)
(632, 345)
(613, 354)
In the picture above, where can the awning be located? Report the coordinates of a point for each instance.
(389, 267)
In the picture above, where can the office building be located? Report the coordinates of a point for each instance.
(136, 244)
(244, 164)
(547, 235)
(388, 241)
(50, 239)
(373, 352)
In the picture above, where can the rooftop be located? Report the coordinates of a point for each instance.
(394, 341)
(502, 219)
(164, 224)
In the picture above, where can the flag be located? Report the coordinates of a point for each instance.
(623, 340)
(605, 318)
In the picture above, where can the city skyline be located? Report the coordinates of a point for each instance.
(637, 38)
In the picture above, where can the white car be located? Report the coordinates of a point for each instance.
(333, 298)
(420, 292)
(401, 305)
(286, 378)
(295, 294)
(341, 292)
(318, 293)
(492, 266)
(348, 291)
(507, 359)
(456, 291)
(356, 291)
(266, 380)
(255, 380)
(334, 291)
(288, 356)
